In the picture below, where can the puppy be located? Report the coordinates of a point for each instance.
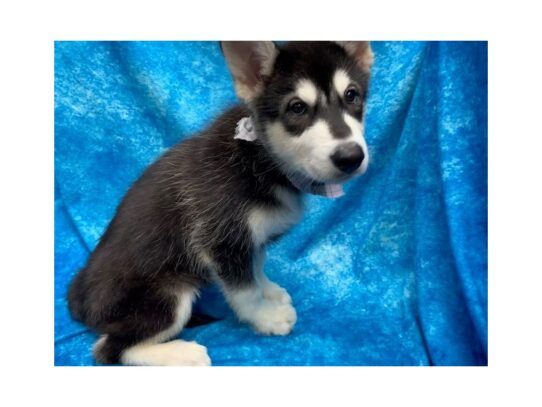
(205, 211)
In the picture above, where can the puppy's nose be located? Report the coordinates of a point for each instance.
(348, 157)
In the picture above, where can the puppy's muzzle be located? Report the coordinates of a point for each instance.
(348, 157)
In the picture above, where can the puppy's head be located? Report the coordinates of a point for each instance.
(308, 101)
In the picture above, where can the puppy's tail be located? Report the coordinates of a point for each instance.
(76, 296)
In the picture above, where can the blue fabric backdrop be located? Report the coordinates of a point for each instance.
(394, 273)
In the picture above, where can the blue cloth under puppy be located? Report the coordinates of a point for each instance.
(392, 273)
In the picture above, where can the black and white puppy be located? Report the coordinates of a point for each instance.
(206, 209)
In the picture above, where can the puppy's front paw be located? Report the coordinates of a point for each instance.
(276, 293)
(272, 318)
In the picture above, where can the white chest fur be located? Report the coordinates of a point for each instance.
(264, 222)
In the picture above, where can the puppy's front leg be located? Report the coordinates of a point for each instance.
(247, 296)
(271, 290)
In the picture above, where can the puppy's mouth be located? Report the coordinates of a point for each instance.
(339, 177)
(343, 178)
(305, 180)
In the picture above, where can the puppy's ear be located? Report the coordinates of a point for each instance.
(249, 63)
(361, 51)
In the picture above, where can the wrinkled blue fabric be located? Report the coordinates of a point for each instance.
(393, 273)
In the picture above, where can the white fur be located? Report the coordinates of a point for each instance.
(308, 153)
(270, 290)
(341, 80)
(266, 316)
(265, 222)
(306, 91)
(174, 353)
(274, 292)
(152, 352)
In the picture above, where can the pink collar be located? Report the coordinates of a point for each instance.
(245, 131)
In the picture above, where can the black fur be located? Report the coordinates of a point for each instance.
(317, 61)
(195, 198)
(125, 290)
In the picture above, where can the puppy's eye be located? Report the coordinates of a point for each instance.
(297, 107)
(351, 95)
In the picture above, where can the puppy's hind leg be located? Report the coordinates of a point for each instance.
(174, 353)
(129, 348)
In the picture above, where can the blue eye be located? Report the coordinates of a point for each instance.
(352, 96)
(297, 107)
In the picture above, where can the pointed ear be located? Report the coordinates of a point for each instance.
(249, 63)
(361, 51)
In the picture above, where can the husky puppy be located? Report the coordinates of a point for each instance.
(204, 212)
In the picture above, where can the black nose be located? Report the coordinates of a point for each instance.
(348, 157)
